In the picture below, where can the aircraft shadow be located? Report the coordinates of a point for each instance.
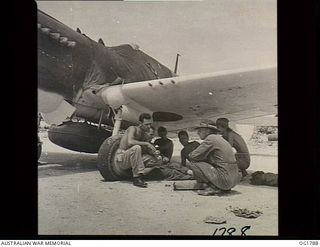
(59, 164)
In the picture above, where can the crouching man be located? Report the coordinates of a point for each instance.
(213, 162)
(129, 154)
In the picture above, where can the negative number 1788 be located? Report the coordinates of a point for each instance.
(223, 231)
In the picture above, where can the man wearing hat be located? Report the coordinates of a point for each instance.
(213, 162)
(237, 142)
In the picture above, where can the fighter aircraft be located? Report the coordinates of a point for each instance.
(90, 92)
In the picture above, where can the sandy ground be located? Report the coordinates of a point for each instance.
(75, 200)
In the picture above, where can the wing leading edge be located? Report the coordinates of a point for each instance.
(238, 94)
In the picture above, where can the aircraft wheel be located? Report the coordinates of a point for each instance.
(106, 155)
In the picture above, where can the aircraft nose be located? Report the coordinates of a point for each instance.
(63, 57)
(54, 60)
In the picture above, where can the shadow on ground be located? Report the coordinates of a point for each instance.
(59, 164)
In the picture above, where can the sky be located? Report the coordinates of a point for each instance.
(210, 35)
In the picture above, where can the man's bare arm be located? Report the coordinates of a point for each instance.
(132, 141)
(183, 159)
(230, 139)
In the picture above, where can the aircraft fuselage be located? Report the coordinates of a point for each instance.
(69, 62)
(73, 68)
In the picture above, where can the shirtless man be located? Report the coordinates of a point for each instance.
(188, 147)
(165, 145)
(129, 154)
(237, 142)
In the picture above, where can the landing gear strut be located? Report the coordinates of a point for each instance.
(118, 120)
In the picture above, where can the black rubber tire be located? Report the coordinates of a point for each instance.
(106, 159)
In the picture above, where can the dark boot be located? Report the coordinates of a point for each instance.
(138, 181)
(209, 191)
(201, 185)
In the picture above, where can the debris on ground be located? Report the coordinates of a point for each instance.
(272, 137)
(262, 178)
(245, 213)
(264, 137)
(266, 130)
(215, 220)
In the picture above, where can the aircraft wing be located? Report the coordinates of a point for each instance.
(180, 102)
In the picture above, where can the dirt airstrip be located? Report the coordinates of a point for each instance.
(74, 199)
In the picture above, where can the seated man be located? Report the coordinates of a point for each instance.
(152, 157)
(165, 145)
(188, 147)
(151, 134)
(163, 169)
(237, 142)
(213, 162)
(129, 154)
